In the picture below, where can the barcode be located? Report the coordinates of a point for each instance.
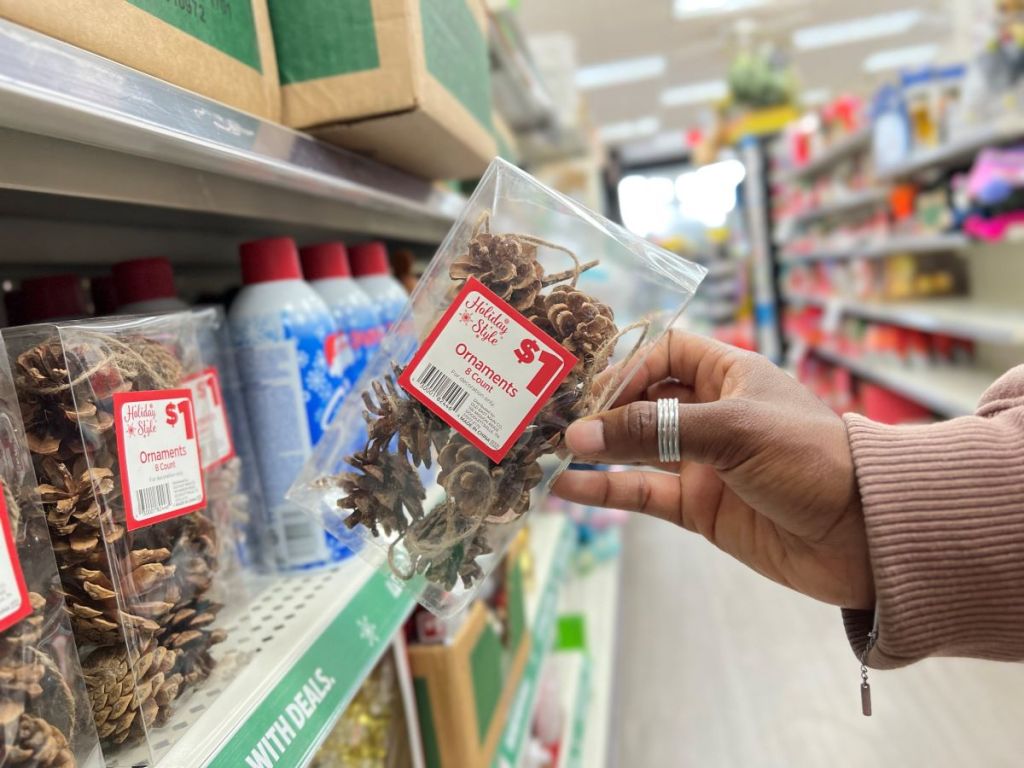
(303, 538)
(156, 498)
(441, 388)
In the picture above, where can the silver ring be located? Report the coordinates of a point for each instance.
(668, 430)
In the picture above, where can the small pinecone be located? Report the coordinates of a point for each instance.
(466, 477)
(393, 413)
(27, 632)
(115, 698)
(504, 263)
(32, 742)
(190, 631)
(381, 492)
(579, 322)
(446, 567)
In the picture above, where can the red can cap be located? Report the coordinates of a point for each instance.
(143, 280)
(325, 260)
(265, 261)
(104, 295)
(52, 297)
(369, 259)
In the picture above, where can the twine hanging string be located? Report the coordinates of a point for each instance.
(125, 360)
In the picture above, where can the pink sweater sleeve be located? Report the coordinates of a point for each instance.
(944, 510)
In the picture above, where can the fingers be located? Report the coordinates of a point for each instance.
(695, 362)
(720, 434)
(651, 493)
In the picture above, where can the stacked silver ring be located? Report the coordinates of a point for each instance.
(668, 430)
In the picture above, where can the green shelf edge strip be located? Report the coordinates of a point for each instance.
(579, 716)
(512, 740)
(288, 725)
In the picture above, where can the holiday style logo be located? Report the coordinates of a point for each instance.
(486, 370)
(160, 457)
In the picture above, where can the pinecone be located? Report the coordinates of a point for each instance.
(381, 492)
(31, 742)
(117, 699)
(506, 264)
(579, 322)
(445, 566)
(189, 630)
(465, 476)
(394, 413)
(26, 633)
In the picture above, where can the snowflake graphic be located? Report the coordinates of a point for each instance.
(368, 630)
(131, 430)
(303, 358)
(317, 381)
(466, 317)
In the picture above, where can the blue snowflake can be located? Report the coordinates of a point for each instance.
(291, 359)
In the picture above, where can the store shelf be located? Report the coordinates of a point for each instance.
(595, 595)
(115, 145)
(891, 245)
(961, 317)
(838, 152)
(553, 539)
(959, 152)
(948, 391)
(845, 205)
(574, 669)
(314, 638)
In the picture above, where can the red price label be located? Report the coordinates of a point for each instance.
(486, 370)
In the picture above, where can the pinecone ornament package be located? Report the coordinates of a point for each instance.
(140, 500)
(534, 313)
(45, 718)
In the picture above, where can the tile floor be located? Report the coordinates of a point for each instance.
(717, 667)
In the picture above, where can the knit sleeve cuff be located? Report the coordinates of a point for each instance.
(944, 511)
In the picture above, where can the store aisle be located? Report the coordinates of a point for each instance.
(718, 667)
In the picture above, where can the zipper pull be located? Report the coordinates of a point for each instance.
(865, 687)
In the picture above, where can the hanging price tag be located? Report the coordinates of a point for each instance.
(14, 604)
(158, 447)
(211, 418)
(486, 370)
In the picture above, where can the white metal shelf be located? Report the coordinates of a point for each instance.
(961, 316)
(958, 152)
(948, 391)
(552, 538)
(324, 629)
(844, 205)
(126, 147)
(595, 595)
(856, 142)
(891, 245)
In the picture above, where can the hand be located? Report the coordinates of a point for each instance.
(766, 476)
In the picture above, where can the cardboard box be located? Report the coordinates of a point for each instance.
(464, 688)
(406, 82)
(222, 49)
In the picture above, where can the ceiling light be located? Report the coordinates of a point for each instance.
(688, 9)
(694, 93)
(622, 71)
(856, 30)
(630, 129)
(897, 58)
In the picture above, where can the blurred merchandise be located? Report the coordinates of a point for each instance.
(371, 733)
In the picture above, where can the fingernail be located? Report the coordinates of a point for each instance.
(586, 438)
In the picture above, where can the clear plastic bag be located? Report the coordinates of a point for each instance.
(45, 717)
(111, 425)
(533, 313)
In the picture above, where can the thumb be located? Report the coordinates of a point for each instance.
(720, 434)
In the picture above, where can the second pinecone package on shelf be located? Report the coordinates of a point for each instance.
(534, 313)
(111, 423)
(45, 717)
